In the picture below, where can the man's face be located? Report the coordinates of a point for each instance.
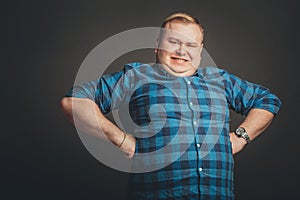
(179, 49)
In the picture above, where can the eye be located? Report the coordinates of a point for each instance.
(174, 42)
(192, 45)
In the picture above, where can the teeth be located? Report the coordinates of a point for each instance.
(179, 60)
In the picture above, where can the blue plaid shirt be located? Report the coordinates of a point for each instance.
(181, 125)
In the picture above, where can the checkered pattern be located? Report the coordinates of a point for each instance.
(181, 125)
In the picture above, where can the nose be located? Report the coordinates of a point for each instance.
(181, 50)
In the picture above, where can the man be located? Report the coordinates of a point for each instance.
(193, 105)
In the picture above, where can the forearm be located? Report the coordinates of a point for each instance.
(89, 119)
(255, 123)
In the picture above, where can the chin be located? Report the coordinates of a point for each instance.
(179, 68)
(179, 71)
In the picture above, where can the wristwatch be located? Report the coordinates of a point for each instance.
(241, 132)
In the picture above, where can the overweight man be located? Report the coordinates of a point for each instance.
(182, 117)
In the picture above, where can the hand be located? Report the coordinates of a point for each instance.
(237, 143)
(128, 147)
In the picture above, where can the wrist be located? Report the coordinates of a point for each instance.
(241, 133)
(123, 140)
(128, 146)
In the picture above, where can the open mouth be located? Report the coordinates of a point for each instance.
(179, 60)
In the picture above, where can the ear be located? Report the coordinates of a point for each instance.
(201, 48)
(156, 46)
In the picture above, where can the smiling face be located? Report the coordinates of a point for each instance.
(179, 48)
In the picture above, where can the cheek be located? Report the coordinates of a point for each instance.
(162, 55)
(196, 55)
(196, 58)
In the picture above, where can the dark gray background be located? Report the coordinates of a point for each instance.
(44, 44)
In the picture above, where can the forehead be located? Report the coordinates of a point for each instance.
(184, 31)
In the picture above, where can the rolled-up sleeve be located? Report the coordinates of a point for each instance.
(243, 96)
(108, 92)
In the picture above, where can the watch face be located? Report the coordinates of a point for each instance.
(240, 131)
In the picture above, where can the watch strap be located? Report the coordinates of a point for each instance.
(241, 132)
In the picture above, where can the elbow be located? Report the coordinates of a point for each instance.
(66, 103)
(66, 107)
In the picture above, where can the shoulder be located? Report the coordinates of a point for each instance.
(211, 72)
(127, 69)
(136, 66)
(137, 70)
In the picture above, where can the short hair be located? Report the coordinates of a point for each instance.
(183, 18)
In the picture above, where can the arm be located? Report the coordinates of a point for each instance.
(255, 123)
(86, 104)
(88, 118)
(256, 102)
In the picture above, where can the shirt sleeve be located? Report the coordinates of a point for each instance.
(243, 96)
(108, 92)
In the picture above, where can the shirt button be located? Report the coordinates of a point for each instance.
(189, 82)
(200, 169)
(191, 103)
(198, 145)
(195, 122)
